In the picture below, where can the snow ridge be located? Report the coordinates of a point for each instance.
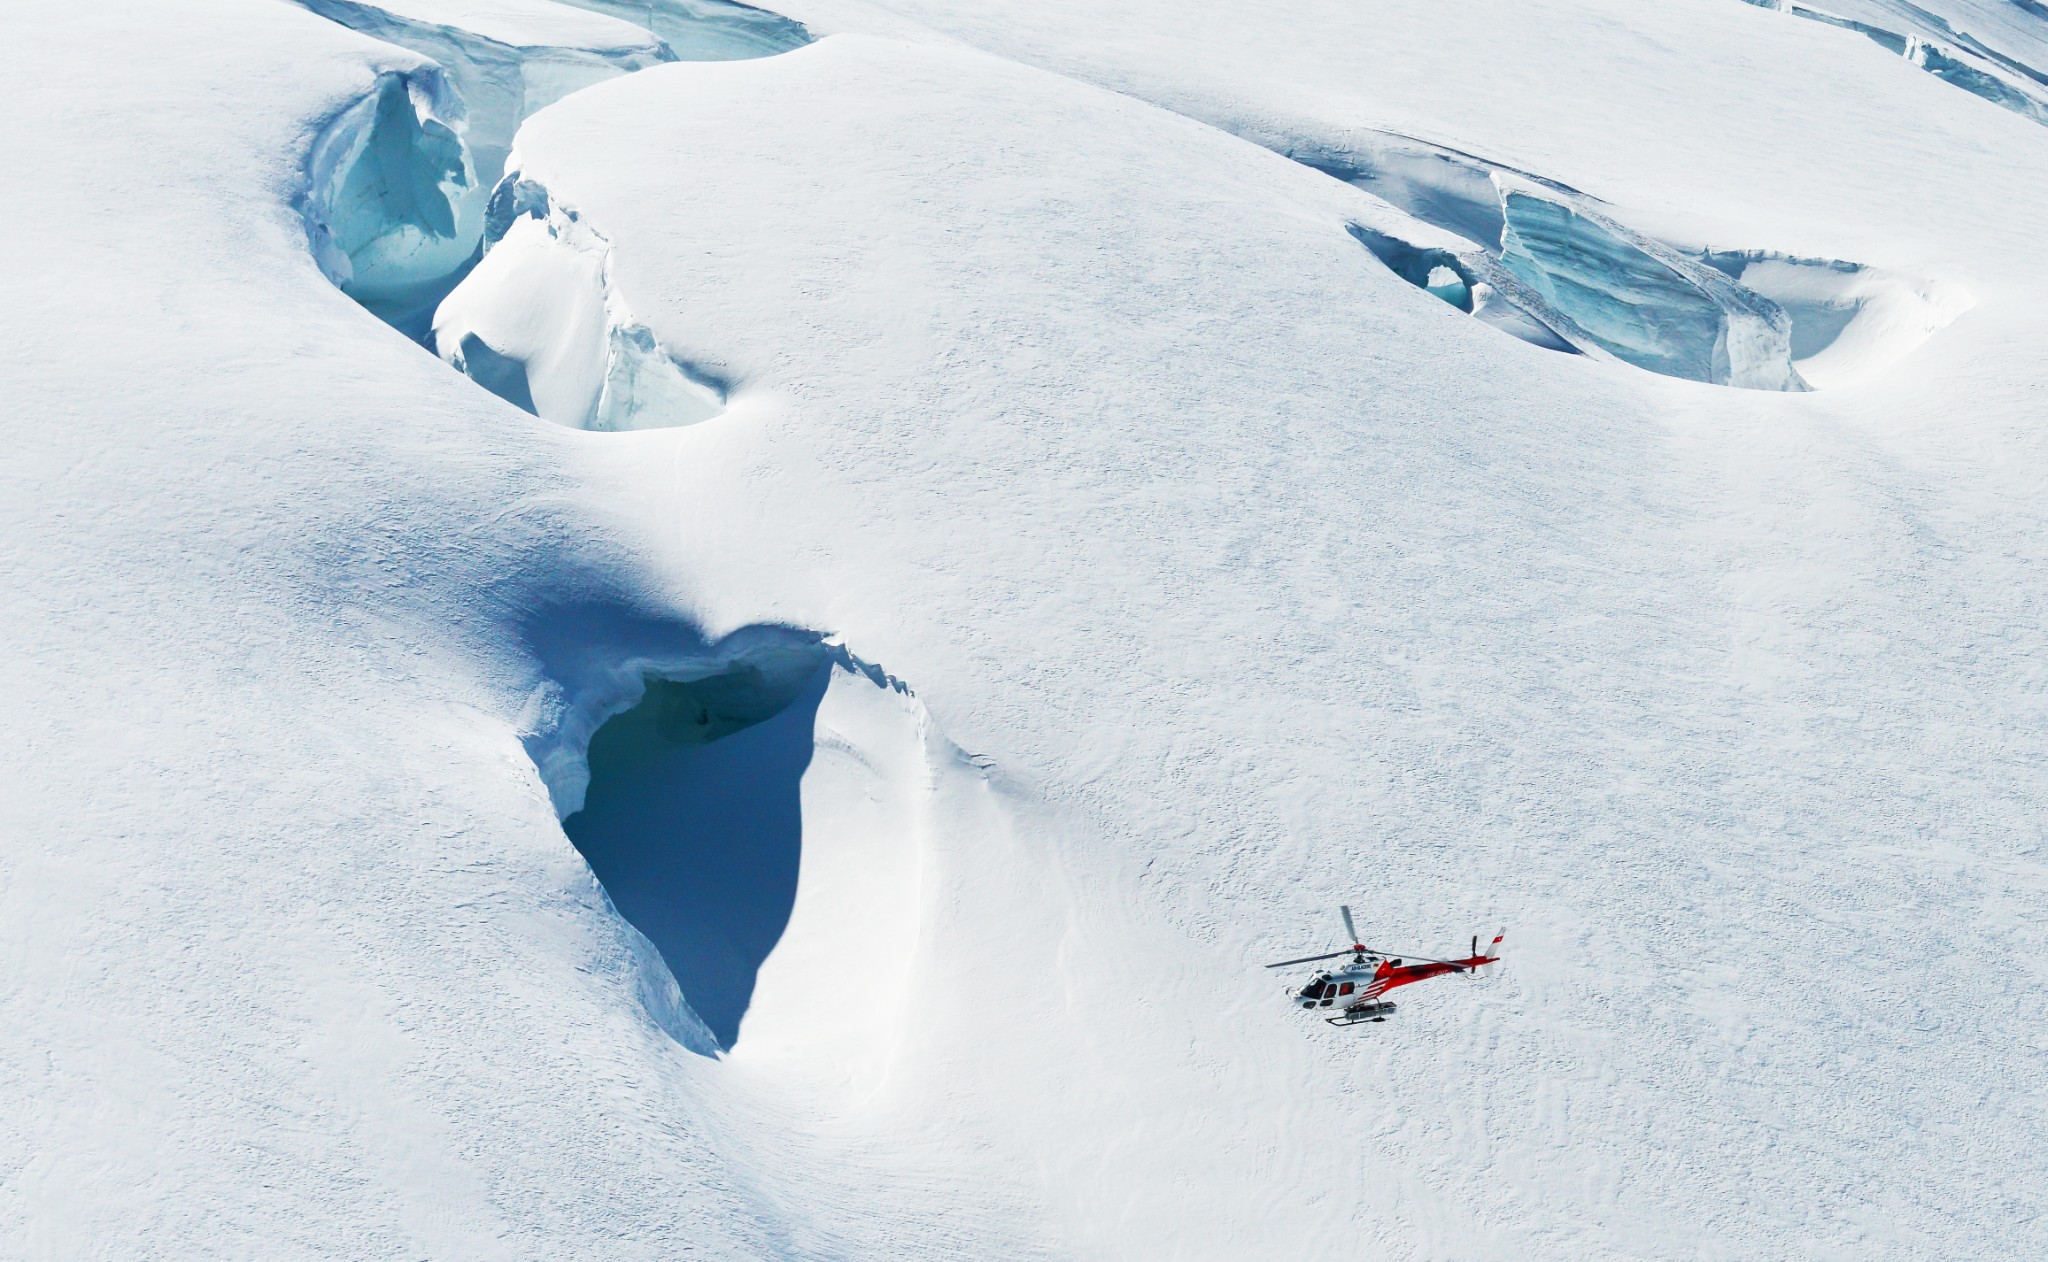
(541, 323)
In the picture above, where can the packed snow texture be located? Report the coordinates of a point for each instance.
(1097, 542)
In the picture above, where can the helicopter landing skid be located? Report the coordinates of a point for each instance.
(1362, 1012)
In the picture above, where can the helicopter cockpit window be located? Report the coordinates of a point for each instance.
(1314, 990)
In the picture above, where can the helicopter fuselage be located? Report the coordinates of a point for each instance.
(1359, 983)
(1326, 990)
(1355, 988)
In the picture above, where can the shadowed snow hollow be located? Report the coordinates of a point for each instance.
(753, 811)
(1850, 323)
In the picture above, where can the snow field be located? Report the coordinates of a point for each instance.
(1231, 578)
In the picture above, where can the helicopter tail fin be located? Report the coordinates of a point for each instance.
(1490, 952)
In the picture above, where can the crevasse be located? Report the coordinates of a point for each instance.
(399, 182)
(1643, 303)
(1545, 263)
(392, 206)
(1965, 61)
(501, 83)
(707, 30)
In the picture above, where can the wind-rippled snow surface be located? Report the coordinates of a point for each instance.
(670, 629)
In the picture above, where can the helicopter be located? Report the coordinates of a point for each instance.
(1355, 989)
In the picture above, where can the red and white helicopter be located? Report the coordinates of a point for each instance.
(1355, 990)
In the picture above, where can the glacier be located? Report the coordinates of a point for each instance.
(906, 549)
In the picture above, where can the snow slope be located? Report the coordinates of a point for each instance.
(1181, 571)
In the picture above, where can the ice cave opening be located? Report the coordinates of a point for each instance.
(693, 820)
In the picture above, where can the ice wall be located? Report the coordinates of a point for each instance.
(506, 61)
(1543, 262)
(1643, 303)
(392, 204)
(708, 30)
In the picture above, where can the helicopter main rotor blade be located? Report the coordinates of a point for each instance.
(1309, 959)
(1351, 933)
(1403, 955)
